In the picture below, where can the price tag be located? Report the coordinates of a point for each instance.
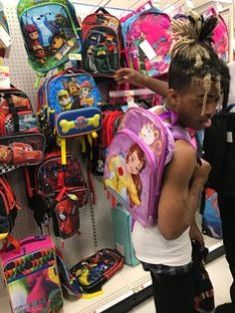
(148, 49)
(4, 77)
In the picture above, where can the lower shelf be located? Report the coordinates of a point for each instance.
(124, 291)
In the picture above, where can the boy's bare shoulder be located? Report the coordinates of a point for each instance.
(180, 170)
(184, 152)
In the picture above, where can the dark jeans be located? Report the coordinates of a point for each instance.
(227, 211)
(173, 293)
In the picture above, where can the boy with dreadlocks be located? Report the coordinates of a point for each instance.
(194, 91)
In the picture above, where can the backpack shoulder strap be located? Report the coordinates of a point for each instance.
(180, 133)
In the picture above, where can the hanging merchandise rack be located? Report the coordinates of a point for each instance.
(131, 285)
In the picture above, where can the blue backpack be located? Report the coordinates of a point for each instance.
(50, 31)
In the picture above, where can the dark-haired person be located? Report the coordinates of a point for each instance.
(193, 93)
(226, 199)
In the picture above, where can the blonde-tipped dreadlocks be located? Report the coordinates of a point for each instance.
(193, 39)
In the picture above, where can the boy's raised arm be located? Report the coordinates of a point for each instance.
(128, 75)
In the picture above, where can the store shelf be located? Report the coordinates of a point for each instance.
(122, 286)
(125, 289)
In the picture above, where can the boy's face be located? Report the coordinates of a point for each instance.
(188, 103)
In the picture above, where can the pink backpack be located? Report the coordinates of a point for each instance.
(136, 159)
(220, 36)
(147, 41)
(31, 276)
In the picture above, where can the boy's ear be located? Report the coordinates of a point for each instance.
(173, 99)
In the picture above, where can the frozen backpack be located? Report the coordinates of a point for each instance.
(102, 43)
(8, 208)
(51, 32)
(31, 276)
(136, 159)
(147, 41)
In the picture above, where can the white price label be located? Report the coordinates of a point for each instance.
(148, 49)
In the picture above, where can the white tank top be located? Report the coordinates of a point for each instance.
(151, 247)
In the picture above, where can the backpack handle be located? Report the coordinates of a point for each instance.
(211, 10)
(103, 10)
(15, 244)
(143, 7)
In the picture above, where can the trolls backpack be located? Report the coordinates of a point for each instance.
(8, 208)
(137, 157)
(102, 42)
(50, 31)
(57, 192)
(147, 41)
(31, 276)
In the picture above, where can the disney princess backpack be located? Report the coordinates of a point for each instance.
(136, 159)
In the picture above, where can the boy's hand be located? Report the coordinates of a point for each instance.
(128, 75)
(195, 234)
(202, 171)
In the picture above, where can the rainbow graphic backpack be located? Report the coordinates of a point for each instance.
(136, 159)
(147, 41)
(31, 276)
(51, 32)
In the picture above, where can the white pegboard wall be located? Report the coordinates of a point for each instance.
(95, 222)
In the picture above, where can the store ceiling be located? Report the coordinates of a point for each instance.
(133, 4)
(85, 7)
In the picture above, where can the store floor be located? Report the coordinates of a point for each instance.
(221, 279)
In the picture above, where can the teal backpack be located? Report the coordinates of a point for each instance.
(51, 32)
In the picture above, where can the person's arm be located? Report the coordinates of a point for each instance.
(128, 75)
(182, 187)
(195, 233)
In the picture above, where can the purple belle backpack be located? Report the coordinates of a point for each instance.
(136, 159)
